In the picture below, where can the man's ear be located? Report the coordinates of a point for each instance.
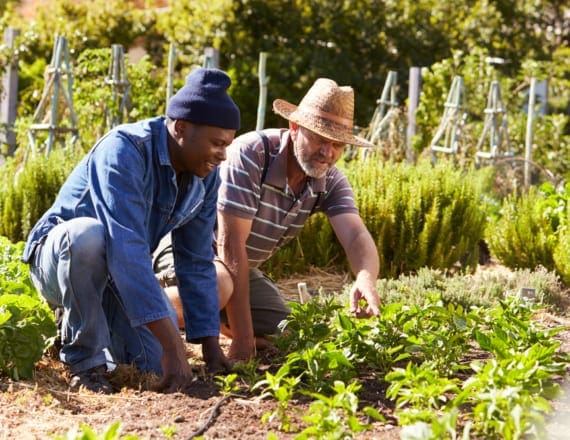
(179, 128)
(293, 129)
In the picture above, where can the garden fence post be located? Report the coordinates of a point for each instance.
(117, 78)
(211, 58)
(262, 92)
(414, 89)
(9, 98)
(529, 131)
(170, 73)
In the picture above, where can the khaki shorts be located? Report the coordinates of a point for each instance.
(268, 307)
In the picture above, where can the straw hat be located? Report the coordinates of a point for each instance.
(327, 110)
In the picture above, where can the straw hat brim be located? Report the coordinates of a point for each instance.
(326, 128)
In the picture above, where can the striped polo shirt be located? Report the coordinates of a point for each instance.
(278, 215)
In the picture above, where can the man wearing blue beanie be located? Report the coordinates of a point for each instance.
(90, 253)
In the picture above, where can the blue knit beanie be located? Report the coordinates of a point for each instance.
(204, 100)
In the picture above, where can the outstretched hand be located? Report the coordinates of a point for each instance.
(364, 288)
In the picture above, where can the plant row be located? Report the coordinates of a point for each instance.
(450, 371)
(443, 368)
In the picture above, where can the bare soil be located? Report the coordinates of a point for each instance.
(44, 407)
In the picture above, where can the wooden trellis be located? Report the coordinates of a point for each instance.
(495, 128)
(384, 114)
(117, 79)
(56, 103)
(448, 134)
(385, 110)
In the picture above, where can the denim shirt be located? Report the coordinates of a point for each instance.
(127, 182)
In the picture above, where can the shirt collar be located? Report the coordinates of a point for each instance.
(163, 153)
(277, 169)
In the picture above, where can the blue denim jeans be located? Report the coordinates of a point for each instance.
(69, 269)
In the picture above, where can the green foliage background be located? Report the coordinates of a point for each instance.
(356, 45)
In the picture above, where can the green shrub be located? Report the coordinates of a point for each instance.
(482, 289)
(533, 230)
(14, 276)
(418, 216)
(26, 192)
(562, 256)
(562, 250)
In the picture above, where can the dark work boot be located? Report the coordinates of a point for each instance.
(93, 379)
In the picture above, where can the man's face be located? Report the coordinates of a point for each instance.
(315, 154)
(200, 148)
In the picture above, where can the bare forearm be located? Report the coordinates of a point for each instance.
(238, 309)
(363, 256)
(168, 336)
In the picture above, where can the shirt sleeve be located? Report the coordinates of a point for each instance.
(339, 198)
(194, 266)
(115, 173)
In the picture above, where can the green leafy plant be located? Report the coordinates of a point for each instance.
(282, 387)
(420, 386)
(169, 431)
(336, 417)
(321, 364)
(14, 276)
(88, 433)
(26, 325)
(440, 392)
(307, 324)
(226, 383)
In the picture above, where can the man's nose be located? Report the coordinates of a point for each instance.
(327, 148)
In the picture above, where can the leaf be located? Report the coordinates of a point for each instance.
(372, 412)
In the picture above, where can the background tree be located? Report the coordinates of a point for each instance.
(305, 41)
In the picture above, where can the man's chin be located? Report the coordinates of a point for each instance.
(317, 174)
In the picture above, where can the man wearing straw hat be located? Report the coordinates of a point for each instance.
(272, 181)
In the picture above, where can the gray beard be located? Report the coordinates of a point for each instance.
(312, 172)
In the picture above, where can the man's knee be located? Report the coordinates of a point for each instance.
(87, 238)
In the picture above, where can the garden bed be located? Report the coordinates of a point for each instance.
(44, 407)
